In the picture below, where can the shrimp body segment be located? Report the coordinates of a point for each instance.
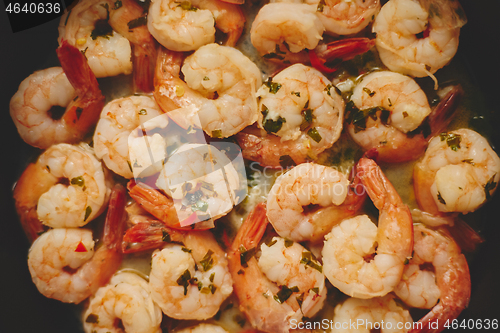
(218, 94)
(119, 119)
(189, 25)
(400, 21)
(125, 299)
(203, 328)
(190, 281)
(458, 173)
(301, 114)
(63, 263)
(449, 283)
(306, 185)
(357, 238)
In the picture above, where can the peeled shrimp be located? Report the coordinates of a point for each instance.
(63, 263)
(301, 113)
(308, 200)
(295, 24)
(66, 187)
(382, 314)
(125, 300)
(268, 307)
(218, 94)
(401, 21)
(203, 328)
(390, 113)
(458, 173)
(357, 238)
(75, 89)
(188, 25)
(346, 17)
(190, 281)
(446, 289)
(113, 138)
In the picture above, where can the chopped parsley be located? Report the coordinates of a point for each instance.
(314, 134)
(246, 255)
(452, 140)
(207, 262)
(88, 211)
(490, 186)
(308, 259)
(273, 86)
(138, 22)
(285, 293)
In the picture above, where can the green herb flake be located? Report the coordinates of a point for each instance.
(390, 103)
(186, 5)
(102, 28)
(200, 206)
(206, 78)
(272, 126)
(217, 133)
(315, 290)
(273, 86)
(118, 4)
(300, 299)
(296, 93)
(166, 236)
(240, 320)
(207, 186)
(184, 280)
(288, 242)
(308, 259)
(314, 134)
(308, 117)
(78, 181)
(469, 160)
(138, 22)
(185, 249)
(407, 261)
(88, 211)
(490, 186)
(286, 161)
(405, 114)
(285, 293)
(452, 140)
(369, 92)
(271, 242)
(92, 319)
(207, 262)
(143, 112)
(212, 277)
(321, 6)
(440, 198)
(246, 255)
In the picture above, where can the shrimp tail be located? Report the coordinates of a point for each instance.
(83, 112)
(465, 236)
(114, 226)
(159, 205)
(148, 236)
(327, 58)
(250, 233)
(356, 195)
(445, 111)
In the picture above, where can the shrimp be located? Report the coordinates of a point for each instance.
(66, 187)
(302, 114)
(398, 27)
(63, 263)
(307, 201)
(382, 314)
(218, 94)
(295, 24)
(73, 86)
(349, 258)
(390, 113)
(458, 173)
(203, 328)
(448, 282)
(188, 25)
(114, 142)
(269, 307)
(86, 27)
(123, 305)
(346, 17)
(190, 281)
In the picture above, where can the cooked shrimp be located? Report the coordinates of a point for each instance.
(203, 328)
(66, 187)
(458, 173)
(63, 263)
(389, 113)
(268, 307)
(382, 314)
(86, 27)
(308, 200)
(295, 24)
(398, 26)
(448, 282)
(346, 17)
(123, 305)
(349, 246)
(302, 114)
(114, 143)
(218, 94)
(75, 89)
(190, 281)
(188, 25)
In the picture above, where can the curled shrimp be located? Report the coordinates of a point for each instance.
(203, 328)
(63, 263)
(114, 142)
(86, 27)
(124, 302)
(188, 25)
(301, 116)
(66, 187)
(218, 94)
(448, 282)
(268, 306)
(379, 313)
(390, 113)
(458, 173)
(308, 200)
(398, 26)
(75, 89)
(295, 24)
(357, 238)
(345, 17)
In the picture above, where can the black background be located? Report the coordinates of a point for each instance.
(23, 309)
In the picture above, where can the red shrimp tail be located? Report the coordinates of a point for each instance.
(144, 61)
(84, 111)
(327, 59)
(151, 235)
(445, 111)
(464, 235)
(253, 228)
(30, 223)
(114, 227)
